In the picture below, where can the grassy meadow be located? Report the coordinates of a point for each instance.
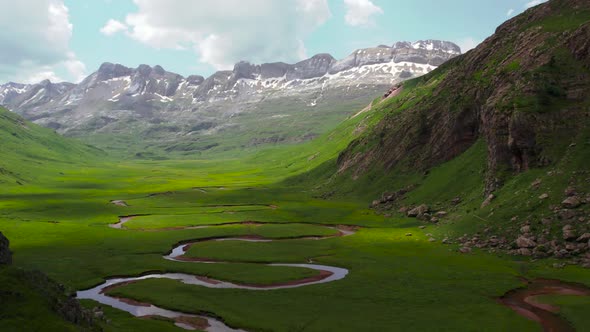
(56, 213)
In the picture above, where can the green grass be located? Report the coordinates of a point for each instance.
(573, 308)
(567, 20)
(27, 299)
(406, 277)
(54, 207)
(118, 320)
(267, 124)
(413, 279)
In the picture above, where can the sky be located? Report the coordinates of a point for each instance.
(66, 40)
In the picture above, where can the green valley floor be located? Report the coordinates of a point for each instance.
(397, 280)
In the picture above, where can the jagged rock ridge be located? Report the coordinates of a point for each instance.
(116, 94)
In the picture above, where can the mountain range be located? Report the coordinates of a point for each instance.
(143, 99)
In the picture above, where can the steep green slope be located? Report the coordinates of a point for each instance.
(33, 302)
(524, 91)
(32, 154)
(508, 121)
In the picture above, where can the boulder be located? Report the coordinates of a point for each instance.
(465, 250)
(119, 202)
(571, 202)
(524, 242)
(418, 211)
(488, 200)
(570, 191)
(566, 214)
(441, 214)
(536, 184)
(5, 254)
(569, 233)
(525, 229)
(584, 237)
(544, 196)
(524, 252)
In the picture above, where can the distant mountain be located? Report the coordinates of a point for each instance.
(116, 97)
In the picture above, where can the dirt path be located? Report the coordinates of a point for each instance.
(524, 301)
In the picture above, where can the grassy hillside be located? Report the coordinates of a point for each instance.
(267, 124)
(32, 302)
(33, 155)
(509, 119)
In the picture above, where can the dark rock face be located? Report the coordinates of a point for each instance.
(5, 253)
(316, 66)
(245, 70)
(195, 79)
(220, 78)
(275, 69)
(109, 71)
(148, 80)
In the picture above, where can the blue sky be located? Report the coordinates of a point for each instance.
(202, 36)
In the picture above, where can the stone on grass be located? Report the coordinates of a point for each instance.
(418, 211)
(488, 200)
(571, 202)
(525, 242)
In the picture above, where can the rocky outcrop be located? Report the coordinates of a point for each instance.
(419, 211)
(5, 253)
(316, 66)
(427, 52)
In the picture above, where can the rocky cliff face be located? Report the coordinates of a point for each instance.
(425, 52)
(521, 91)
(115, 95)
(5, 254)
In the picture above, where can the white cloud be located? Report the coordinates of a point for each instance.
(223, 32)
(35, 37)
(75, 67)
(468, 43)
(510, 12)
(359, 12)
(112, 27)
(38, 76)
(534, 3)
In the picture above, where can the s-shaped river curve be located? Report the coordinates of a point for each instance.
(192, 321)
